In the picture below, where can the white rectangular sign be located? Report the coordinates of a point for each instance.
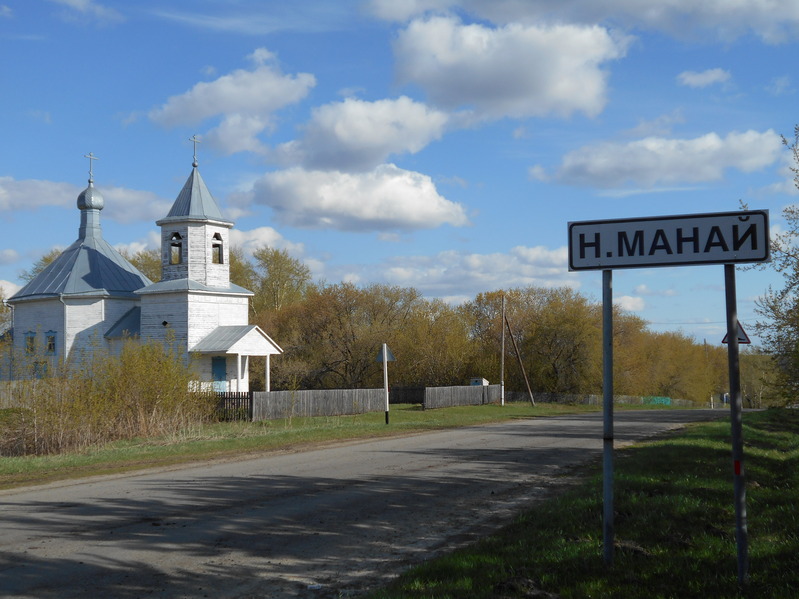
(715, 238)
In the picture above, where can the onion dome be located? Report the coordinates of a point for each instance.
(90, 198)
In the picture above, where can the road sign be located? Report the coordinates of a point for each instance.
(713, 238)
(388, 355)
(742, 336)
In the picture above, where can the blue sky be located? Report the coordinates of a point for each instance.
(434, 144)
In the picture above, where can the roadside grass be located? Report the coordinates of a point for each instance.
(674, 526)
(232, 440)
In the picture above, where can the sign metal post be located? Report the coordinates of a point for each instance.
(726, 238)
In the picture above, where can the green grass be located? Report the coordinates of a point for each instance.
(674, 527)
(226, 440)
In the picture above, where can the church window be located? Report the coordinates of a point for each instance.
(50, 339)
(217, 256)
(30, 342)
(175, 249)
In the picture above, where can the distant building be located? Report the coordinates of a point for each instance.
(91, 298)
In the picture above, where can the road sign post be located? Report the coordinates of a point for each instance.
(385, 356)
(726, 238)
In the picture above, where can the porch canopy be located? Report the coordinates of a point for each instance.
(242, 340)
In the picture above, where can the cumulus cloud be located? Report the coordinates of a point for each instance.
(511, 71)
(8, 288)
(772, 21)
(251, 240)
(121, 204)
(703, 78)
(27, 194)
(245, 100)
(656, 161)
(132, 205)
(385, 198)
(356, 135)
(630, 303)
(462, 275)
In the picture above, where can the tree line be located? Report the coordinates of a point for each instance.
(331, 335)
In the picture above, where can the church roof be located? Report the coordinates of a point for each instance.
(185, 284)
(195, 202)
(88, 267)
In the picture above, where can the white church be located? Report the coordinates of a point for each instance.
(91, 298)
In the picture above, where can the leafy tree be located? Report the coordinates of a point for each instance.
(780, 307)
(242, 272)
(338, 330)
(557, 333)
(282, 280)
(147, 261)
(433, 347)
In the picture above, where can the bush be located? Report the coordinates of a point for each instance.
(146, 391)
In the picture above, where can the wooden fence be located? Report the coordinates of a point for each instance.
(325, 402)
(234, 406)
(468, 395)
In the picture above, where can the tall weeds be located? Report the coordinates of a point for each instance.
(145, 391)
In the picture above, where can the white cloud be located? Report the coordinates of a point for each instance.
(703, 78)
(251, 240)
(89, 9)
(121, 204)
(780, 86)
(8, 256)
(630, 303)
(261, 18)
(6, 12)
(244, 99)
(359, 135)
(724, 19)
(514, 71)
(659, 126)
(383, 199)
(8, 288)
(132, 205)
(151, 242)
(29, 194)
(462, 275)
(656, 161)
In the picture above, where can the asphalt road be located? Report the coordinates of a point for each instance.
(323, 523)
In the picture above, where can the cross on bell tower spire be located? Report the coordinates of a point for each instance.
(196, 141)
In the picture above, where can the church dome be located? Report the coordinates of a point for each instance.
(90, 198)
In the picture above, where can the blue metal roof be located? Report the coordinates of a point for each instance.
(185, 284)
(195, 202)
(223, 339)
(88, 267)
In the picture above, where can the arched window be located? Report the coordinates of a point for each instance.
(217, 255)
(175, 249)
